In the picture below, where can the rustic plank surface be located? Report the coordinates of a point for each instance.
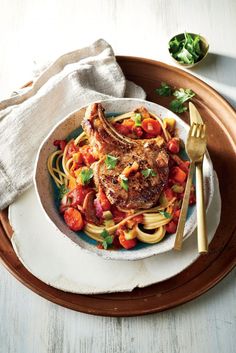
(33, 32)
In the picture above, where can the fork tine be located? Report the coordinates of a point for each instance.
(199, 130)
(193, 129)
(203, 132)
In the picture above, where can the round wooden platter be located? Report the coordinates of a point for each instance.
(208, 269)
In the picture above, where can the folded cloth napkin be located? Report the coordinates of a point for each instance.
(73, 80)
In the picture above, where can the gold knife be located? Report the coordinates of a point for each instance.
(195, 117)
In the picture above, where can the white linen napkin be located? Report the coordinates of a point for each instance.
(73, 80)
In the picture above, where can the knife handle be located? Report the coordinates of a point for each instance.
(201, 211)
(184, 210)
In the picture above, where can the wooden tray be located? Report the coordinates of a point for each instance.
(208, 269)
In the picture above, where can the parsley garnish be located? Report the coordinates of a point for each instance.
(148, 172)
(137, 119)
(86, 175)
(182, 95)
(187, 50)
(111, 161)
(63, 191)
(164, 90)
(165, 214)
(108, 239)
(177, 107)
(124, 182)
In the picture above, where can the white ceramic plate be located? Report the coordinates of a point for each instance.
(45, 193)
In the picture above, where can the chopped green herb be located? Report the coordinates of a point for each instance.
(111, 161)
(174, 45)
(148, 172)
(108, 239)
(63, 191)
(86, 175)
(165, 214)
(187, 50)
(124, 182)
(185, 56)
(164, 90)
(177, 107)
(183, 94)
(137, 119)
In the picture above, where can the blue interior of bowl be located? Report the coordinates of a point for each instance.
(81, 234)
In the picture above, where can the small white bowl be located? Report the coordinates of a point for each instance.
(44, 187)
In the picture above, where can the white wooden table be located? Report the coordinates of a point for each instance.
(33, 32)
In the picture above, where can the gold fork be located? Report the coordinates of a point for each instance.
(195, 148)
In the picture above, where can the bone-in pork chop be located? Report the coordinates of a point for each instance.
(147, 158)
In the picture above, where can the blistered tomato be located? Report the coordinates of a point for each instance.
(138, 131)
(151, 126)
(77, 195)
(173, 145)
(169, 194)
(171, 227)
(61, 144)
(73, 219)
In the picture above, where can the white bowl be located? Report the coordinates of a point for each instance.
(44, 187)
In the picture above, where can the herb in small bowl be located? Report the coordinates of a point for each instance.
(188, 49)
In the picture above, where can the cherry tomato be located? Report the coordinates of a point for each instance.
(77, 195)
(72, 148)
(127, 244)
(151, 126)
(138, 131)
(171, 227)
(87, 155)
(61, 144)
(176, 215)
(178, 175)
(169, 194)
(122, 129)
(174, 145)
(105, 203)
(73, 219)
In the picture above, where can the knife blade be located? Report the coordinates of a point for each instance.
(195, 116)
